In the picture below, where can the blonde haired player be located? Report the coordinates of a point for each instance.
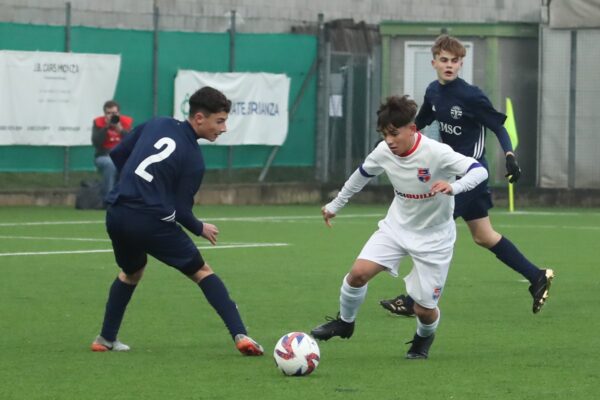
(418, 224)
(463, 111)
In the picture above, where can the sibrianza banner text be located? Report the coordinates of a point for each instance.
(259, 104)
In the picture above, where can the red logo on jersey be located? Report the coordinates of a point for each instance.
(423, 174)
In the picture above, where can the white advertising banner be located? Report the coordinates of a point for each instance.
(259, 104)
(52, 98)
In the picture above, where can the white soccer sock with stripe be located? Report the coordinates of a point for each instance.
(350, 300)
(428, 330)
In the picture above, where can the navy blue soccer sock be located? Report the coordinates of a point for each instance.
(216, 293)
(118, 297)
(508, 253)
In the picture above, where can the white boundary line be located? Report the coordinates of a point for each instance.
(530, 226)
(67, 239)
(216, 219)
(293, 218)
(37, 223)
(546, 213)
(221, 247)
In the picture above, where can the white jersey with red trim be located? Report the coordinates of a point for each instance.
(414, 206)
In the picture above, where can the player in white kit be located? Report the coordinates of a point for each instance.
(418, 224)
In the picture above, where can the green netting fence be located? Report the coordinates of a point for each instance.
(290, 54)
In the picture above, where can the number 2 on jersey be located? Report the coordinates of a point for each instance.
(154, 158)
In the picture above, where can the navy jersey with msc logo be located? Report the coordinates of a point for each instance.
(161, 168)
(463, 111)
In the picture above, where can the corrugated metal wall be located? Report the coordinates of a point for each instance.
(569, 143)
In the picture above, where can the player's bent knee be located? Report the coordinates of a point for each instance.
(132, 278)
(356, 281)
(487, 241)
(192, 265)
(358, 278)
(426, 315)
(362, 272)
(479, 241)
(486, 237)
(201, 273)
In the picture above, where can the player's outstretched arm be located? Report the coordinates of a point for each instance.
(353, 185)
(475, 175)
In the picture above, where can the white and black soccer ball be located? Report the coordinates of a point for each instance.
(297, 354)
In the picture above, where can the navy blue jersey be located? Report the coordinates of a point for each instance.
(463, 112)
(161, 169)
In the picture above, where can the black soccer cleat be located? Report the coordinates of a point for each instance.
(402, 305)
(419, 350)
(540, 288)
(334, 327)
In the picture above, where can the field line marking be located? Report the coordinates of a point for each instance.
(218, 247)
(53, 238)
(292, 217)
(546, 213)
(241, 219)
(530, 226)
(288, 218)
(37, 223)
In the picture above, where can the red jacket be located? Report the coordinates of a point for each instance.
(113, 137)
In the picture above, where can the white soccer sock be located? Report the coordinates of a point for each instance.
(428, 330)
(350, 300)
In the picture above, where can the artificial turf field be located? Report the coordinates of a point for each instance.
(284, 268)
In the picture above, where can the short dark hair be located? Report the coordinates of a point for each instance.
(208, 100)
(450, 44)
(111, 104)
(397, 112)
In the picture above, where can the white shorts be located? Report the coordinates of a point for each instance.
(430, 249)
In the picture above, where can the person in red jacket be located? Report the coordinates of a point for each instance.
(107, 132)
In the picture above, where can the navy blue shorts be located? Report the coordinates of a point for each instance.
(473, 204)
(135, 234)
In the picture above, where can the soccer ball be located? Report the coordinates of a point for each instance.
(297, 354)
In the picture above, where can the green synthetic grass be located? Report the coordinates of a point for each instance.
(489, 345)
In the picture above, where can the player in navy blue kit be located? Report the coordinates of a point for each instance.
(161, 169)
(463, 112)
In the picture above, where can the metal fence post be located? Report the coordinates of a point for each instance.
(66, 152)
(349, 123)
(231, 69)
(322, 114)
(572, 112)
(155, 16)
